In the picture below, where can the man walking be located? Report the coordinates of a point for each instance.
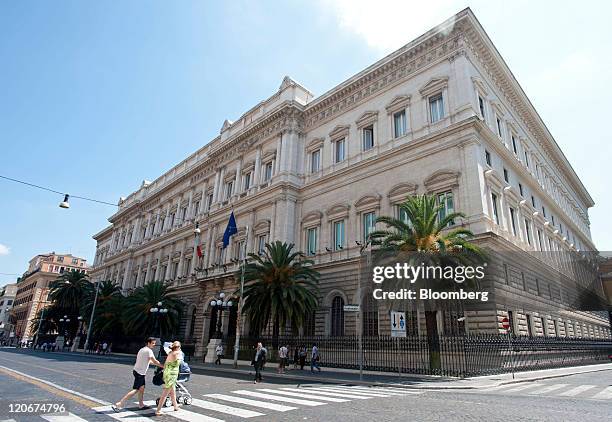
(144, 357)
(258, 361)
(314, 359)
(282, 357)
(219, 353)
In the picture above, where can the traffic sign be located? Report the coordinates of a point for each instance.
(398, 324)
(505, 323)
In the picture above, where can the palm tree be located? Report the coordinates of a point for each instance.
(280, 286)
(137, 317)
(109, 308)
(69, 290)
(427, 237)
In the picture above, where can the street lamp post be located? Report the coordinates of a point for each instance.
(220, 304)
(158, 312)
(93, 311)
(77, 338)
(61, 340)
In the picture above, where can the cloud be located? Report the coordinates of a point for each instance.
(4, 250)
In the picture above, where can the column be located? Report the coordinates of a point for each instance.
(181, 263)
(136, 232)
(209, 245)
(139, 271)
(204, 197)
(190, 212)
(113, 237)
(178, 220)
(237, 182)
(216, 186)
(157, 268)
(167, 220)
(126, 275)
(148, 274)
(147, 232)
(157, 228)
(257, 171)
(279, 143)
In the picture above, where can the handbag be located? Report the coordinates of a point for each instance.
(158, 378)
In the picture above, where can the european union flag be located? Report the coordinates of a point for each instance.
(230, 230)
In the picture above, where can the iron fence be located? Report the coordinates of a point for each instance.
(457, 356)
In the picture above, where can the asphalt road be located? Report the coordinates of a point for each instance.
(83, 384)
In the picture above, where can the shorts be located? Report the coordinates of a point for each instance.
(139, 380)
(283, 362)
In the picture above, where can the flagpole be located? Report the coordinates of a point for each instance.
(239, 317)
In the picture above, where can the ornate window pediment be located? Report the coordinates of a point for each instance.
(339, 132)
(313, 218)
(433, 86)
(268, 155)
(367, 118)
(494, 178)
(338, 211)
(262, 226)
(497, 108)
(314, 144)
(398, 103)
(401, 191)
(368, 202)
(250, 166)
(442, 179)
(480, 85)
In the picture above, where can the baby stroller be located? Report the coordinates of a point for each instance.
(182, 393)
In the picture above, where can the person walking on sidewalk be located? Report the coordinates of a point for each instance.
(259, 360)
(144, 357)
(282, 359)
(314, 359)
(219, 354)
(171, 373)
(302, 357)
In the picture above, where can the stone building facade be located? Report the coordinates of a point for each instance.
(442, 115)
(33, 288)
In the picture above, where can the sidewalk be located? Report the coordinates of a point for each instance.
(351, 376)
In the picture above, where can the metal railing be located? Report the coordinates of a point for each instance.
(457, 356)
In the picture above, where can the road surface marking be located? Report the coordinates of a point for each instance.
(303, 395)
(58, 390)
(63, 372)
(389, 389)
(357, 393)
(70, 417)
(234, 411)
(376, 390)
(123, 415)
(606, 393)
(277, 398)
(549, 389)
(329, 393)
(577, 390)
(182, 414)
(523, 387)
(242, 400)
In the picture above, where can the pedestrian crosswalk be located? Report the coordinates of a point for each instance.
(252, 403)
(584, 391)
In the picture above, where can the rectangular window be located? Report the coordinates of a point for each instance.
(499, 128)
(513, 220)
(187, 268)
(315, 161)
(239, 253)
(436, 108)
(196, 208)
(537, 283)
(533, 201)
(514, 145)
(495, 214)
(312, 235)
(339, 235)
(368, 137)
(487, 157)
(481, 106)
(521, 189)
(268, 172)
(540, 240)
(247, 181)
(553, 219)
(400, 126)
(261, 244)
(339, 152)
(402, 215)
(511, 321)
(209, 201)
(527, 159)
(528, 231)
(229, 186)
(544, 327)
(529, 326)
(369, 220)
(506, 177)
(506, 275)
(448, 207)
(543, 211)
(175, 273)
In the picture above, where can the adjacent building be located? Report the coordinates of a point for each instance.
(7, 297)
(442, 115)
(33, 288)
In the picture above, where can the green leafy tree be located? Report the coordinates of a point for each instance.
(69, 290)
(109, 308)
(280, 286)
(137, 317)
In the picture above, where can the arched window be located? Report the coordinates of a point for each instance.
(370, 316)
(337, 317)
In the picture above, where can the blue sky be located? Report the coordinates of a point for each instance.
(97, 96)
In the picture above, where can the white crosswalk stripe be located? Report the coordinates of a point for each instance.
(234, 411)
(577, 390)
(523, 387)
(359, 393)
(549, 389)
(319, 390)
(121, 416)
(70, 417)
(304, 395)
(378, 390)
(254, 403)
(278, 398)
(183, 414)
(605, 394)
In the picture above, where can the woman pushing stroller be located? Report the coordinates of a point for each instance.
(171, 373)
